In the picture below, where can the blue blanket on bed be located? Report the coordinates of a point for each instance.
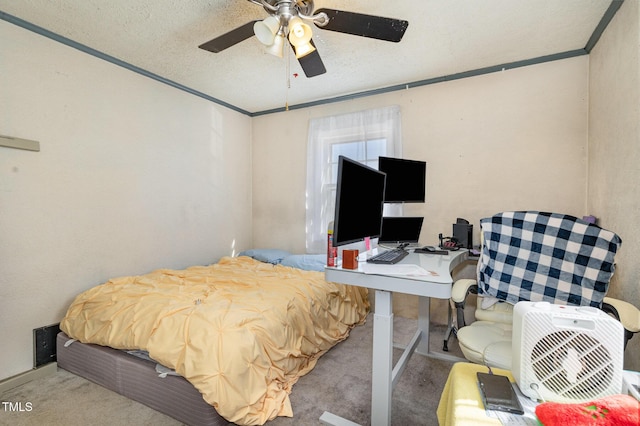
(546, 256)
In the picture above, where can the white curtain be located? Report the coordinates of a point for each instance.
(382, 127)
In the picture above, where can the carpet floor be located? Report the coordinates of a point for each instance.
(340, 383)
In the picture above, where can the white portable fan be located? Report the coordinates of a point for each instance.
(566, 353)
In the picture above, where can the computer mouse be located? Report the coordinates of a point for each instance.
(426, 249)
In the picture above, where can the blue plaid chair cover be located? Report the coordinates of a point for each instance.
(550, 257)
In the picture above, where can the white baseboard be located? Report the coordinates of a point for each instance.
(27, 376)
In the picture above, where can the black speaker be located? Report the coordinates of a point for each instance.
(463, 233)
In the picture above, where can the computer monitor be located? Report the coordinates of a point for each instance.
(406, 180)
(400, 230)
(359, 202)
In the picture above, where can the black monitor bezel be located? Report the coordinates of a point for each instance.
(413, 172)
(381, 240)
(340, 210)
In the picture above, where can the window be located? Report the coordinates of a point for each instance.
(362, 136)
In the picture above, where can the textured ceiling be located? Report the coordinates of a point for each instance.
(444, 37)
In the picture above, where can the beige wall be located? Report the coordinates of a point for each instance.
(614, 150)
(132, 175)
(510, 140)
(513, 140)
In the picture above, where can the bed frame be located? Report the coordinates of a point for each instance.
(137, 379)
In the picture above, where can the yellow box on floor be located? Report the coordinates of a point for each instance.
(460, 402)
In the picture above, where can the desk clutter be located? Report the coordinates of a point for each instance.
(461, 403)
(462, 236)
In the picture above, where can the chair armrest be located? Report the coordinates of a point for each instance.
(459, 292)
(626, 313)
(462, 288)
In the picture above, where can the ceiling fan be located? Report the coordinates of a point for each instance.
(287, 20)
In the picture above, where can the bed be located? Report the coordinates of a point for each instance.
(230, 338)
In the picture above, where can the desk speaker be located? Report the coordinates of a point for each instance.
(463, 233)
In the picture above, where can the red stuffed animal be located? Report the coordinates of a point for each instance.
(615, 410)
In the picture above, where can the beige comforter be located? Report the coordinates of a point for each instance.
(241, 331)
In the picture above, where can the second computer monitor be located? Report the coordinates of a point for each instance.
(406, 180)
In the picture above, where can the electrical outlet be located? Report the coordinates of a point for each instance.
(44, 344)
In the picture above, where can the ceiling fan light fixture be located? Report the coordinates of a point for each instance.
(299, 32)
(303, 49)
(266, 30)
(277, 47)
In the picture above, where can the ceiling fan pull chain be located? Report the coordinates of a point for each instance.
(288, 72)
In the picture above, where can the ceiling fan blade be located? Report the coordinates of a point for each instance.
(229, 39)
(312, 63)
(359, 24)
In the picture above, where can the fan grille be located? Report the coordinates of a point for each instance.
(572, 364)
(567, 354)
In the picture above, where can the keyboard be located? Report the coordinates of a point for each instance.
(389, 257)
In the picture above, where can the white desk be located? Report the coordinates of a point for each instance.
(384, 374)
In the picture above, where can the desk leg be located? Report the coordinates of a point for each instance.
(424, 321)
(382, 363)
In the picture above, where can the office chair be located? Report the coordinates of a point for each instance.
(535, 256)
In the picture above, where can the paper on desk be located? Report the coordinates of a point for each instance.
(405, 270)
